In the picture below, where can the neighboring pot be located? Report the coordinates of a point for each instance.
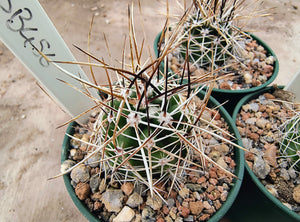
(239, 170)
(255, 202)
(232, 97)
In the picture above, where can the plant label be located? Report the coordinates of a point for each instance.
(26, 30)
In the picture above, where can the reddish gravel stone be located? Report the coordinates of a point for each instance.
(127, 188)
(254, 136)
(201, 180)
(173, 194)
(82, 190)
(204, 217)
(184, 211)
(160, 220)
(212, 173)
(225, 85)
(213, 181)
(196, 207)
(165, 210)
(97, 205)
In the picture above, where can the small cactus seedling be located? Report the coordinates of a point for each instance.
(290, 143)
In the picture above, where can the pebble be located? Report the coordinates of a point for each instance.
(223, 148)
(260, 168)
(74, 142)
(125, 215)
(225, 85)
(97, 206)
(296, 194)
(80, 174)
(171, 202)
(165, 209)
(196, 207)
(292, 173)
(197, 196)
(92, 161)
(270, 154)
(179, 219)
(261, 123)
(134, 200)
(217, 204)
(184, 211)
(168, 219)
(190, 218)
(76, 154)
(94, 183)
(204, 217)
(206, 205)
(67, 164)
(139, 188)
(254, 136)
(248, 78)
(96, 196)
(270, 60)
(288, 205)
(246, 107)
(213, 142)
(160, 220)
(272, 190)
(206, 116)
(82, 190)
(138, 218)
(112, 199)
(254, 107)
(245, 116)
(193, 188)
(148, 215)
(214, 155)
(247, 143)
(127, 188)
(172, 213)
(154, 202)
(224, 195)
(184, 192)
(102, 186)
(222, 163)
(284, 174)
(251, 121)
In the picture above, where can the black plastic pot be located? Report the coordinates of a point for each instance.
(255, 202)
(232, 97)
(239, 172)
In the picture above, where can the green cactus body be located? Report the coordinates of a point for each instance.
(206, 44)
(290, 145)
(130, 140)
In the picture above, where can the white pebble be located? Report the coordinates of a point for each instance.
(248, 78)
(270, 60)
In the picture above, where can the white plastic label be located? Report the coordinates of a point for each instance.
(24, 26)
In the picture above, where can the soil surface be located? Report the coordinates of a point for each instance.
(29, 141)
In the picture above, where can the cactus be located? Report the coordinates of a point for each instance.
(210, 36)
(290, 141)
(149, 122)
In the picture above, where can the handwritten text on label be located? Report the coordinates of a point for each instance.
(17, 23)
